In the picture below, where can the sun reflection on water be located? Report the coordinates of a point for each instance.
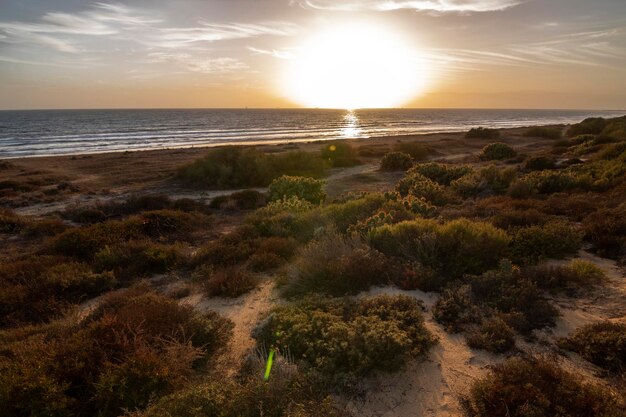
(351, 128)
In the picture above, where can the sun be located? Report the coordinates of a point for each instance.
(353, 66)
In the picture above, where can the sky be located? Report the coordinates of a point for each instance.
(234, 53)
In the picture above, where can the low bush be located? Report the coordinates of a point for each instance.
(136, 259)
(236, 166)
(487, 180)
(493, 335)
(230, 281)
(241, 200)
(342, 339)
(340, 154)
(396, 161)
(172, 224)
(133, 348)
(287, 394)
(590, 126)
(443, 174)
(606, 230)
(538, 387)
(37, 289)
(548, 182)
(419, 186)
(511, 219)
(497, 151)
(272, 252)
(603, 344)
(345, 214)
(456, 308)
(229, 250)
(452, 249)
(417, 151)
(337, 265)
(554, 239)
(578, 272)
(482, 133)
(11, 222)
(539, 163)
(304, 188)
(543, 132)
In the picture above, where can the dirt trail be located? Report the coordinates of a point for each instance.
(245, 313)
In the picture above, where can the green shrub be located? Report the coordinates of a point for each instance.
(452, 249)
(590, 126)
(603, 344)
(511, 219)
(349, 213)
(537, 387)
(236, 166)
(308, 189)
(497, 151)
(490, 179)
(539, 163)
(340, 154)
(482, 133)
(136, 259)
(554, 239)
(417, 185)
(417, 151)
(396, 161)
(337, 265)
(443, 174)
(543, 132)
(345, 338)
(493, 335)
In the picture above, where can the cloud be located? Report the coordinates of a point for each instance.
(212, 32)
(461, 6)
(194, 63)
(276, 53)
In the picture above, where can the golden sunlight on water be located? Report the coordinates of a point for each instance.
(351, 128)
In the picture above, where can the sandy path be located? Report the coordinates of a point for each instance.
(428, 388)
(245, 312)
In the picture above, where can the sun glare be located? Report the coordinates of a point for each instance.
(354, 66)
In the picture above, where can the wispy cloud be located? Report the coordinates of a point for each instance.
(276, 53)
(461, 6)
(207, 65)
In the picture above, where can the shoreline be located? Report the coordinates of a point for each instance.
(277, 142)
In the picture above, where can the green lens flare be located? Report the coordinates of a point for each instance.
(268, 367)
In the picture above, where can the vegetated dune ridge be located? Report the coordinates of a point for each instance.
(392, 297)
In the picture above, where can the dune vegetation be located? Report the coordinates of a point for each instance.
(106, 308)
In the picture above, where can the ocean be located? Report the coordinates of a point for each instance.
(65, 132)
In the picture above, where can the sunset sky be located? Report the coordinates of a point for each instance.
(239, 53)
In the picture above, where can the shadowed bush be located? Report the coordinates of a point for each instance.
(236, 166)
(543, 132)
(230, 281)
(493, 335)
(603, 344)
(337, 265)
(417, 151)
(343, 339)
(482, 133)
(10, 222)
(136, 259)
(497, 151)
(133, 348)
(606, 230)
(537, 387)
(241, 200)
(340, 154)
(396, 161)
(539, 163)
(39, 288)
(577, 273)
